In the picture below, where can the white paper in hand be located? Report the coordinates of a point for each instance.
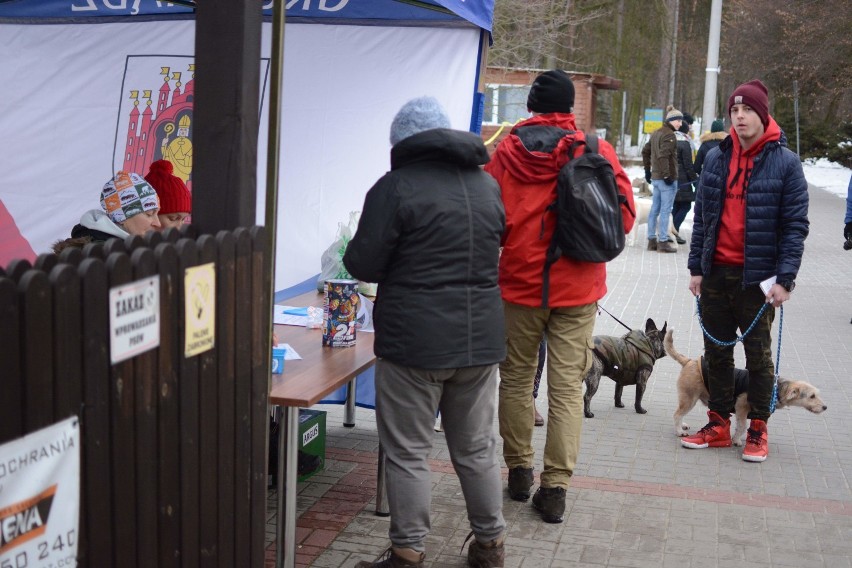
(766, 285)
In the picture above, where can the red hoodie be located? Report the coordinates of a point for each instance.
(528, 185)
(730, 246)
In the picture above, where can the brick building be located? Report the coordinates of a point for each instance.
(506, 92)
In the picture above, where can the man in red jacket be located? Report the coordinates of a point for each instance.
(526, 165)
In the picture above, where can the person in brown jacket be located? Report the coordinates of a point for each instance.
(660, 159)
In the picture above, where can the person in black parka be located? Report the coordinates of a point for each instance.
(686, 176)
(429, 235)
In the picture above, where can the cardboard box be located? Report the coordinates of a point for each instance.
(311, 455)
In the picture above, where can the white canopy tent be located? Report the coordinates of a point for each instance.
(88, 92)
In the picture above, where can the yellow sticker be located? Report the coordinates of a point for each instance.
(200, 309)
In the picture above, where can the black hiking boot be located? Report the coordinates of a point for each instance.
(391, 559)
(520, 481)
(550, 503)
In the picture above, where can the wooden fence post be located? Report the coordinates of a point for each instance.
(97, 484)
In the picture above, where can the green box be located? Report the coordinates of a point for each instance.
(311, 455)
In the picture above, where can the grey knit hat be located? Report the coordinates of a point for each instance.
(415, 116)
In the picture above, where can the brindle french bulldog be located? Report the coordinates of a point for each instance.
(627, 360)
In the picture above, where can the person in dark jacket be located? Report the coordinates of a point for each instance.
(751, 221)
(129, 206)
(429, 235)
(709, 140)
(686, 176)
(659, 157)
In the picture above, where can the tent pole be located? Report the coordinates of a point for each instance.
(286, 523)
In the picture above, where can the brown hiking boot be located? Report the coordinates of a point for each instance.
(520, 481)
(393, 558)
(489, 555)
(665, 246)
(550, 503)
(652, 244)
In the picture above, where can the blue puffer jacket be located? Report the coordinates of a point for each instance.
(776, 213)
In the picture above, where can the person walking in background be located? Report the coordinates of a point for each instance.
(659, 156)
(847, 230)
(751, 221)
(526, 164)
(538, 419)
(175, 198)
(709, 140)
(686, 176)
(129, 206)
(429, 235)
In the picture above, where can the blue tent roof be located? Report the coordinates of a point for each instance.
(477, 12)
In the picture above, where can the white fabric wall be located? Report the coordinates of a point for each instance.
(65, 112)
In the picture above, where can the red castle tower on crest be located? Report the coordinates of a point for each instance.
(166, 135)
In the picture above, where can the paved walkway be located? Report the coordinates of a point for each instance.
(639, 499)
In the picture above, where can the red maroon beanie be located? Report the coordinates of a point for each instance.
(174, 196)
(755, 95)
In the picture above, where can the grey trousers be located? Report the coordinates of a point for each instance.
(406, 401)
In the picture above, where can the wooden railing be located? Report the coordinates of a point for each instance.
(174, 449)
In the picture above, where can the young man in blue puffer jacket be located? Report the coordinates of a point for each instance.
(751, 220)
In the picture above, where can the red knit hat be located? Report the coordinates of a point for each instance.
(174, 196)
(755, 95)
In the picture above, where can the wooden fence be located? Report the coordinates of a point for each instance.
(173, 449)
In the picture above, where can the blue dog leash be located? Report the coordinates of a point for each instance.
(741, 337)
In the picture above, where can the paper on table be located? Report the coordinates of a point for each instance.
(766, 285)
(289, 352)
(289, 315)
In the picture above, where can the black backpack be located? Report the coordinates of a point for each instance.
(589, 225)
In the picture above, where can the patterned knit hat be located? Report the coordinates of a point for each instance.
(755, 95)
(173, 194)
(673, 114)
(126, 195)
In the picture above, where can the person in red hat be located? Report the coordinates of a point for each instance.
(751, 221)
(175, 198)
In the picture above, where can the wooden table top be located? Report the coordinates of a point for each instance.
(321, 370)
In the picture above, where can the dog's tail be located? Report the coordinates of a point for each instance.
(668, 345)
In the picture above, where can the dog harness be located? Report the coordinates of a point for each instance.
(740, 378)
(623, 357)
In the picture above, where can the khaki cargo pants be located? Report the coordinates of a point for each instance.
(569, 357)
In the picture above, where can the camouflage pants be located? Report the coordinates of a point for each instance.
(726, 307)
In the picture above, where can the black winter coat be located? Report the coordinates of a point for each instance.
(685, 172)
(709, 140)
(776, 221)
(429, 235)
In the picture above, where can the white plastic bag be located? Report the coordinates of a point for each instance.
(331, 262)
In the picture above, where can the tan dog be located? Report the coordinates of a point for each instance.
(691, 387)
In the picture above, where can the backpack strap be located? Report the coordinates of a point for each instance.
(592, 143)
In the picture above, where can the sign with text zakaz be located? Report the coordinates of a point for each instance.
(134, 318)
(40, 497)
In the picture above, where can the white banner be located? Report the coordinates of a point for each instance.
(40, 498)
(122, 95)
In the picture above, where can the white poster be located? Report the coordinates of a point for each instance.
(40, 497)
(134, 318)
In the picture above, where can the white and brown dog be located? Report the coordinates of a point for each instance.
(692, 387)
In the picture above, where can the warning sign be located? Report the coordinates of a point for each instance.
(134, 318)
(200, 312)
